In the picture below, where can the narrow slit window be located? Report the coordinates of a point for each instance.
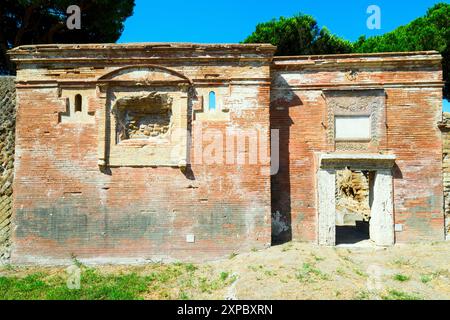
(212, 101)
(78, 103)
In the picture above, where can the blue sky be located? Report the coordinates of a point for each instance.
(231, 21)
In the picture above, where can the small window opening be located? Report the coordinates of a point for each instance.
(212, 101)
(78, 103)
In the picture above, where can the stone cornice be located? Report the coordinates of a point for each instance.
(140, 53)
(396, 59)
(362, 86)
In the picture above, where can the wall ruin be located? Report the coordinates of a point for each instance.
(402, 98)
(7, 139)
(115, 177)
(135, 175)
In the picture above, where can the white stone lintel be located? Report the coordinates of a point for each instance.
(358, 159)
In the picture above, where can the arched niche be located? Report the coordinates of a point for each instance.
(145, 118)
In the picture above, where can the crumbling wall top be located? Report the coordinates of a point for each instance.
(50, 53)
(397, 59)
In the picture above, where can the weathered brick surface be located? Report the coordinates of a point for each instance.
(413, 103)
(7, 133)
(66, 204)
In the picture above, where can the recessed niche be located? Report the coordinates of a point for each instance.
(143, 117)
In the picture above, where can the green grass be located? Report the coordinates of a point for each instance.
(362, 295)
(309, 273)
(208, 286)
(401, 262)
(340, 271)
(158, 281)
(183, 296)
(400, 295)
(224, 275)
(232, 255)
(359, 272)
(94, 286)
(317, 258)
(401, 277)
(425, 278)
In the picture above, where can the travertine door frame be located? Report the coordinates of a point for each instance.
(382, 209)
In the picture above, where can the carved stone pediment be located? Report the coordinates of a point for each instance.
(144, 74)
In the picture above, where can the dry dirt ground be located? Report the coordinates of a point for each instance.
(306, 271)
(296, 271)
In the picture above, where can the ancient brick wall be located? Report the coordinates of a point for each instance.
(7, 134)
(445, 127)
(80, 190)
(98, 177)
(402, 94)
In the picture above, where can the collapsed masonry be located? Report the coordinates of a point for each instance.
(7, 134)
(108, 166)
(352, 197)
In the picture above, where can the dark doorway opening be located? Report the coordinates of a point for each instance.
(352, 234)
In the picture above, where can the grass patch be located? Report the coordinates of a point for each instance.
(359, 272)
(400, 295)
(232, 255)
(224, 276)
(425, 278)
(340, 271)
(309, 273)
(208, 286)
(183, 296)
(156, 281)
(401, 277)
(400, 262)
(317, 258)
(9, 267)
(362, 295)
(94, 286)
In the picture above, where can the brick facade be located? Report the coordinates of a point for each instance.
(304, 91)
(135, 174)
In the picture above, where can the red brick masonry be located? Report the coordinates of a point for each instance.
(72, 197)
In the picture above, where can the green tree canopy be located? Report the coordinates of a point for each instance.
(430, 32)
(44, 21)
(301, 35)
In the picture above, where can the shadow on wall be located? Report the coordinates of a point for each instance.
(7, 142)
(280, 183)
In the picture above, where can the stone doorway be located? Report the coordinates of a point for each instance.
(379, 224)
